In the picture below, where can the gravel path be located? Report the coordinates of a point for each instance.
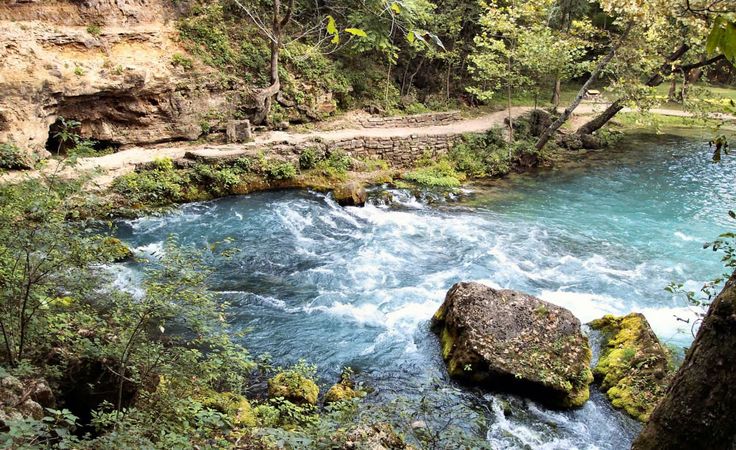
(116, 164)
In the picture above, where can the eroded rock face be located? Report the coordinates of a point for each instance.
(507, 340)
(119, 80)
(633, 368)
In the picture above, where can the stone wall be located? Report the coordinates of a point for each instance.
(428, 119)
(400, 152)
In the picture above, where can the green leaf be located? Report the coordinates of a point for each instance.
(410, 36)
(722, 39)
(331, 25)
(396, 8)
(356, 32)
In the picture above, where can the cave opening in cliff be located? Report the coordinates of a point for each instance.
(65, 135)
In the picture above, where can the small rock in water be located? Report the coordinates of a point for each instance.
(350, 194)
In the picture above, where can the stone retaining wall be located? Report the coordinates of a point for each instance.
(399, 152)
(427, 119)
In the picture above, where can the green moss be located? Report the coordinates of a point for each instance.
(294, 387)
(341, 392)
(235, 406)
(633, 368)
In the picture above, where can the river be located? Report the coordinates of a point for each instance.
(357, 286)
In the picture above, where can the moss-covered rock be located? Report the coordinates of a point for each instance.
(233, 405)
(633, 368)
(117, 251)
(341, 392)
(294, 387)
(508, 340)
(350, 194)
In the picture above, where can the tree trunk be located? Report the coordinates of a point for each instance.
(672, 94)
(699, 408)
(552, 129)
(601, 119)
(556, 94)
(508, 103)
(264, 98)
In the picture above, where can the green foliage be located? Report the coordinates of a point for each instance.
(280, 170)
(67, 132)
(36, 240)
(481, 156)
(336, 165)
(205, 29)
(295, 384)
(27, 432)
(12, 157)
(440, 173)
(309, 158)
(159, 185)
(722, 38)
(94, 30)
(179, 60)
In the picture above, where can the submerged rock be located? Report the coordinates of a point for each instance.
(508, 340)
(294, 387)
(350, 194)
(634, 368)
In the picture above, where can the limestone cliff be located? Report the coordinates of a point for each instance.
(111, 65)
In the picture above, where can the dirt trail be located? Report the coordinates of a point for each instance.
(116, 164)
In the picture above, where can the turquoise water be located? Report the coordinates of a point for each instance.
(357, 286)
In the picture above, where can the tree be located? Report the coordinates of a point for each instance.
(600, 66)
(517, 50)
(671, 42)
(43, 257)
(275, 35)
(643, 36)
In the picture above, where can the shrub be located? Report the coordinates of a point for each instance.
(439, 174)
(482, 155)
(12, 158)
(94, 30)
(244, 164)
(86, 148)
(159, 185)
(281, 170)
(179, 60)
(308, 158)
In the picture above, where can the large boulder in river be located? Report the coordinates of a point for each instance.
(507, 340)
(634, 369)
